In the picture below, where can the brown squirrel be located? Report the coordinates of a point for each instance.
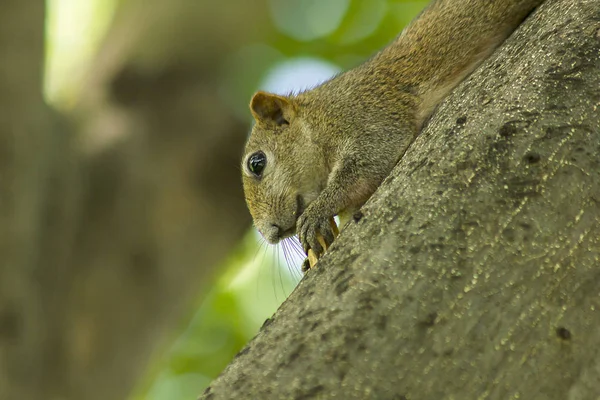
(323, 152)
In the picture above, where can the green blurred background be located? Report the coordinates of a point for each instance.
(123, 70)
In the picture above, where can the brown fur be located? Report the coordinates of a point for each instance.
(329, 148)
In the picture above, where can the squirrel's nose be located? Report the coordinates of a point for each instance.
(279, 230)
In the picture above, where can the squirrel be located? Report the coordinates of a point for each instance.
(324, 151)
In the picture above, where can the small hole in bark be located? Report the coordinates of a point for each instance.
(357, 216)
(429, 320)
(532, 158)
(563, 333)
(508, 130)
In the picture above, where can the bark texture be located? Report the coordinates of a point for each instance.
(474, 271)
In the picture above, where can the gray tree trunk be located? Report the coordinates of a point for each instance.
(474, 272)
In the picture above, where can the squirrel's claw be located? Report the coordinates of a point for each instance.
(306, 265)
(309, 227)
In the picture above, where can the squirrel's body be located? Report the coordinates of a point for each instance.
(325, 151)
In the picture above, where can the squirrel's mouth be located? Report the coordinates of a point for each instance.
(288, 233)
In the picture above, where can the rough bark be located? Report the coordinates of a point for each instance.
(474, 271)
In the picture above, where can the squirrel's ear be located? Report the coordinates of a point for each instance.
(271, 109)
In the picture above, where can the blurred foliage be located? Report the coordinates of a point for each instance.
(340, 33)
(74, 30)
(256, 280)
(357, 29)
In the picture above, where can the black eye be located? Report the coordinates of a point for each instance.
(257, 163)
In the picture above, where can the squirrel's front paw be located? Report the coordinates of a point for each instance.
(309, 226)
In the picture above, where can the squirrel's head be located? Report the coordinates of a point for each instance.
(282, 169)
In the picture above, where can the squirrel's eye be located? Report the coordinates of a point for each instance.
(257, 163)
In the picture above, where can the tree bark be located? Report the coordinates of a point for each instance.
(474, 271)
